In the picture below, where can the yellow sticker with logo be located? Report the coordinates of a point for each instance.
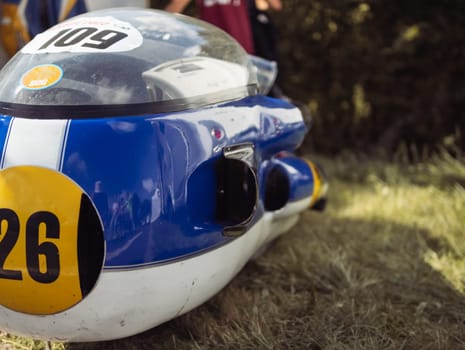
(42, 77)
(51, 241)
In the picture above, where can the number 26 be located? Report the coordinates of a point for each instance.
(33, 248)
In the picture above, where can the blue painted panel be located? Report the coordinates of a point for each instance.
(299, 174)
(4, 128)
(152, 178)
(136, 171)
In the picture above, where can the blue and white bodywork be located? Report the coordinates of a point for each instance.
(140, 170)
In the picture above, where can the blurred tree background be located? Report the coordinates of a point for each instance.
(383, 75)
(378, 74)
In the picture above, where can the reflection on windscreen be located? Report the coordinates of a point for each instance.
(130, 56)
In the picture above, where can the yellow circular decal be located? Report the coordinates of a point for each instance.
(42, 77)
(51, 241)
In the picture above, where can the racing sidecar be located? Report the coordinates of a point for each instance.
(141, 168)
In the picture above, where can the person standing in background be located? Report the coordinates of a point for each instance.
(264, 32)
(230, 15)
(265, 35)
(23, 19)
(102, 4)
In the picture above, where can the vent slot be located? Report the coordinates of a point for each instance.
(237, 192)
(277, 189)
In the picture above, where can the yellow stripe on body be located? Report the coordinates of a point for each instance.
(318, 183)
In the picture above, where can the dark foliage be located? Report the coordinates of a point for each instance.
(377, 74)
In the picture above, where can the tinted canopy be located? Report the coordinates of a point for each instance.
(126, 57)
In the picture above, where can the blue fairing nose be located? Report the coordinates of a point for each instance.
(140, 170)
(137, 172)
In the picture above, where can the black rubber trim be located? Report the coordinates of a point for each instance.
(104, 111)
(91, 246)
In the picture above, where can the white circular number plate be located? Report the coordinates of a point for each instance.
(89, 34)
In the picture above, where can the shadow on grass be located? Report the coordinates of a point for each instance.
(329, 283)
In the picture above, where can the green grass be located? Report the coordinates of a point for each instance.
(382, 268)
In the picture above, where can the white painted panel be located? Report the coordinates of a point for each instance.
(35, 142)
(125, 302)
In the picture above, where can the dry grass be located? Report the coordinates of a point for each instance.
(382, 268)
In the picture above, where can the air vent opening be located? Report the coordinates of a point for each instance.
(236, 192)
(277, 189)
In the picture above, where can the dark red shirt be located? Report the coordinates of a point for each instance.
(231, 16)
